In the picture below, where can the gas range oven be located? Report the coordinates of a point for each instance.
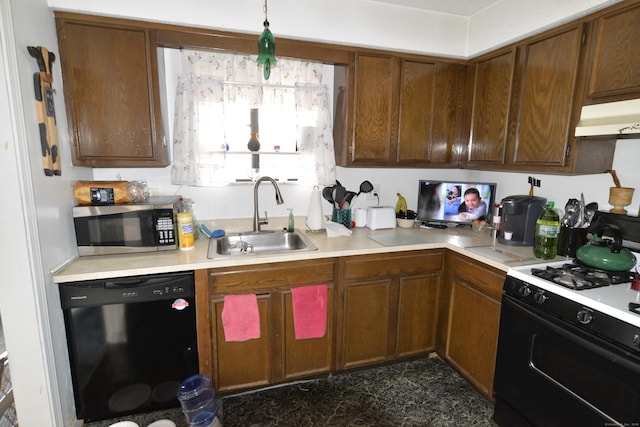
(568, 347)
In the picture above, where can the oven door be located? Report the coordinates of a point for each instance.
(551, 373)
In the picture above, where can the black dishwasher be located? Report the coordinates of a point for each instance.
(131, 342)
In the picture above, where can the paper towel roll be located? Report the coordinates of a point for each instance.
(315, 221)
(360, 216)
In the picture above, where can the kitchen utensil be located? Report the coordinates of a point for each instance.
(365, 187)
(581, 215)
(339, 195)
(590, 210)
(349, 197)
(571, 213)
(327, 194)
(616, 181)
(606, 251)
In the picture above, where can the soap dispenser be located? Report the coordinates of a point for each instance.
(291, 226)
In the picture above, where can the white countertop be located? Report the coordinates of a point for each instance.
(462, 240)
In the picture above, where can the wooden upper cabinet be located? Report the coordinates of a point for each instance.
(375, 115)
(416, 110)
(543, 100)
(491, 84)
(430, 95)
(405, 112)
(110, 75)
(614, 67)
(525, 102)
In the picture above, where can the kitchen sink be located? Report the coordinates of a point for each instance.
(251, 243)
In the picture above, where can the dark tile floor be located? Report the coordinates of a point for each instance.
(422, 392)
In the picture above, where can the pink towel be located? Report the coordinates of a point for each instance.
(240, 317)
(309, 311)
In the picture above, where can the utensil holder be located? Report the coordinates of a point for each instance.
(342, 216)
(570, 239)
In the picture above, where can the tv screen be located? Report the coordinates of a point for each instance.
(441, 202)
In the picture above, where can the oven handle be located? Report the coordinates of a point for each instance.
(594, 348)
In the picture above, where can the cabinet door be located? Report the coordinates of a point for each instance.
(417, 315)
(111, 88)
(446, 119)
(366, 318)
(544, 101)
(473, 335)
(491, 97)
(615, 57)
(389, 306)
(428, 112)
(309, 356)
(416, 110)
(471, 320)
(375, 120)
(242, 364)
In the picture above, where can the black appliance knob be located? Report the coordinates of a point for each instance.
(585, 316)
(540, 297)
(524, 290)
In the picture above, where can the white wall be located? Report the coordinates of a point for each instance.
(357, 22)
(38, 229)
(510, 20)
(214, 203)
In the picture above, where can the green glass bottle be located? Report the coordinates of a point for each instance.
(545, 244)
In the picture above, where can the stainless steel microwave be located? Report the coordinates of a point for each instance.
(127, 228)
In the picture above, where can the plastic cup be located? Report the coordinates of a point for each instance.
(196, 396)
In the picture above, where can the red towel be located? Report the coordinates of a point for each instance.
(309, 311)
(240, 317)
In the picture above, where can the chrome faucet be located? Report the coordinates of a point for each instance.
(257, 221)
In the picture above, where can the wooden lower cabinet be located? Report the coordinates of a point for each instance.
(277, 355)
(381, 308)
(246, 363)
(389, 306)
(470, 323)
(308, 357)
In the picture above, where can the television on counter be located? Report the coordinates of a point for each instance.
(443, 202)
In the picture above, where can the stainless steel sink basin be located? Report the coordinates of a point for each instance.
(251, 243)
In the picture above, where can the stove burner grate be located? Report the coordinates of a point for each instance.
(580, 277)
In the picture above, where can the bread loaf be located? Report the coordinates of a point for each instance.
(82, 191)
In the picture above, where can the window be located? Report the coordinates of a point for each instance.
(215, 96)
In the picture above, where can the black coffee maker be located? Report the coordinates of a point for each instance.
(518, 219)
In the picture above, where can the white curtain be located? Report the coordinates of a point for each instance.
(214, 93)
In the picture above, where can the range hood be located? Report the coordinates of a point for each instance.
(613, 119)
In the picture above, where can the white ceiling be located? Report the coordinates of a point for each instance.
(455, 7)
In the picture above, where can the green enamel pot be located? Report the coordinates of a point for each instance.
(606, 251)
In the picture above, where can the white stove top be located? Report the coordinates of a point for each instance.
(612, 300)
